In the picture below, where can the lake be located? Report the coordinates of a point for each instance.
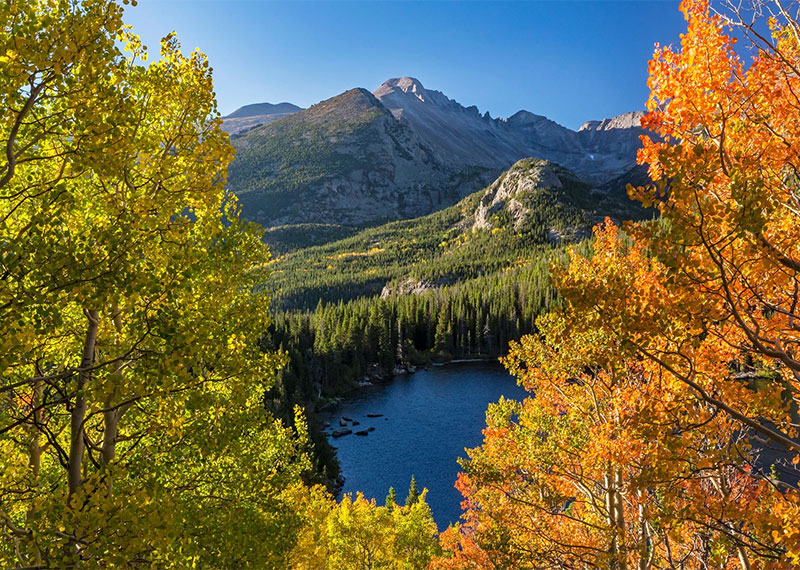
(429, 418)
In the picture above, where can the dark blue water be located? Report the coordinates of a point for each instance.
(429, 419)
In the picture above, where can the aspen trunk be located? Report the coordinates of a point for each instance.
(645, 548)
(35, 448)
(77, 416)
(611, 519)
(723, 489)
(110, 430)
(78, 413)
(111, 417)
(619, 520)
(744, 560)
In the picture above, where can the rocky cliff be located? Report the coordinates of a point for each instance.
(598, 152)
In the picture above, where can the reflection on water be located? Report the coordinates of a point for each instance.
(429, 418)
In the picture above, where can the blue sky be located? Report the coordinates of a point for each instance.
(571, 61)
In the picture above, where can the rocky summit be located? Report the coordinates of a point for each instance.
(363, 158)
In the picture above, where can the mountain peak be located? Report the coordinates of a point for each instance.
(353, 101)
(251, 116)
(524, 117)
(404, 84)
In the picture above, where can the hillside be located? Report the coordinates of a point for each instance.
(346, 161)
(520, 216)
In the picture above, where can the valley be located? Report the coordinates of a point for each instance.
(458, 283)
(407, 229)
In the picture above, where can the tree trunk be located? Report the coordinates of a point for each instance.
(77, 416)
(112, 415)
(616, 521)
(645, 546)
(78, 413)
(619, 519)
(721, 484)
(611, 520)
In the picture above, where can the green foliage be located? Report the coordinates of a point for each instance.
(440, 248)
(391, 499)
(335, 346)
(283, 239)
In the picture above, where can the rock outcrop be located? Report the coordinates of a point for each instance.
(412, 286)
(535, 191)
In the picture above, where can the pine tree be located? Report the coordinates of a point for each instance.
(413, 492)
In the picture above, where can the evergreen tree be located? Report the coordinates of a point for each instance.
(413, 492)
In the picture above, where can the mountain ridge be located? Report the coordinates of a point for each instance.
(469, 138)
(361, 158)
(253, 109)
(345, 159)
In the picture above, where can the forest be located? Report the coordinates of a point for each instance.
(158, 369)
(336, 347)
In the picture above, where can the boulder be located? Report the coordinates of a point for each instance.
(341, 432)
(362, 432)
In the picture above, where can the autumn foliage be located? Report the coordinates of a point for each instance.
(132, 428)
(662, 429)
(358, 534)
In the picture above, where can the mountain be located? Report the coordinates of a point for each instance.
(598, 152)
(264, 109)
(361, 158)
(256, 114)
(346, 160)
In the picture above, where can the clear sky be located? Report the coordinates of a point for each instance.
(571, 61)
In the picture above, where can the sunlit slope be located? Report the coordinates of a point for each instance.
(522, 215)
